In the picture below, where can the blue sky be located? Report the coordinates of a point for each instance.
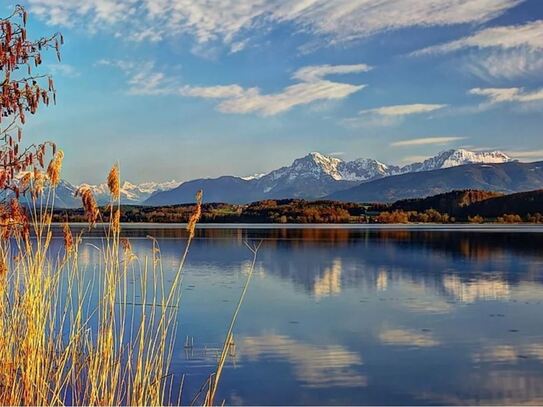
(184, 89)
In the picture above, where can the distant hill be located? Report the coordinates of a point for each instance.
(452, 203)
(522, 204)
(506, 177)
(223, 189)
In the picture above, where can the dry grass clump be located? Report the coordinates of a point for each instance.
(74, 336)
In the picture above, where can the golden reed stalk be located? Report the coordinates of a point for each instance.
(72, 335)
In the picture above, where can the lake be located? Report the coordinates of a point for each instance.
(359, 315)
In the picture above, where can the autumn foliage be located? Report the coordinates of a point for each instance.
(23, 91)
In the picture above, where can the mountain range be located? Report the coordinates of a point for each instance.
(318, 176)
(314, 176)
(131, 194)
(506, 177)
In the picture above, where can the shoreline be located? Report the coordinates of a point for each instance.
(493, 227)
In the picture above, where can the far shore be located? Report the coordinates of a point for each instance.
(531, 227)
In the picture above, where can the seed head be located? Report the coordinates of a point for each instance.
(89, 204)
(196, 214)
(114, 183)
(53, 170)
(68, 238)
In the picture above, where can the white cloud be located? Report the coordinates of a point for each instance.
(425, 141)
(505, 64)
(68, 71)
(529, 35)
(403, 110)
(534, 154)
(502, 95)
(311, 88)
(317, 72)
(143, 78)
(231, 21)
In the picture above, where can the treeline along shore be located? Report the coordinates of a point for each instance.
(471, 206)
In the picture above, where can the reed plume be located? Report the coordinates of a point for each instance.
(68, 238)
(114, 183)
(116, 221)
(39, 180)
(53, 170)
(196, 214)
(89, 204)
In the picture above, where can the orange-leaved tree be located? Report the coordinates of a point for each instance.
(22, 92)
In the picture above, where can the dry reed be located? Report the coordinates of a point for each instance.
(114, 183)
(70, 336)
(54, 168)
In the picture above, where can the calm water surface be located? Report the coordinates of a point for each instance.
(360, 315)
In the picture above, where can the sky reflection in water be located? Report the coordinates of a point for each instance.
(346, 316)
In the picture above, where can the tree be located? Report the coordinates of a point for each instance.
(22, 92)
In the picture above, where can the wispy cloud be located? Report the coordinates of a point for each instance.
(426, 141)
(505, 64)
(317, 72)
(143, 77)
(66, 70)
(232, 21)
(388, 115)
(503, 95)
(528, 154)
(403, 110)
(529, 35)
(311, 88)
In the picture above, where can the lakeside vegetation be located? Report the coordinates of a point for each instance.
(72, 334)
(458, 206)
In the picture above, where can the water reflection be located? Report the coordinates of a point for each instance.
(360, 316)
(314, 366)
(407, 337)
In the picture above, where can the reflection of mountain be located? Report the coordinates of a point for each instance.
(476, 289)
(322, 262)
(330, 281)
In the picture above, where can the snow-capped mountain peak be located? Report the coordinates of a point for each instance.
(131, 193)
(456, 157)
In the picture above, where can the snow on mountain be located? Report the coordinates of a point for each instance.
(454, 158)
(132, 193)
(314, 176)
(251, 177)
(316, 165)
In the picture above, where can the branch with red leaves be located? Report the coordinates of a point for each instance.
(22, 94)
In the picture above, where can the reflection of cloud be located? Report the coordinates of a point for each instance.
(330, 282)
(316, 366)
(509, 353)
(407, 337)
(494, 387)
(500, 353)
(479, 289)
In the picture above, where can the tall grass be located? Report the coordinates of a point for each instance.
(76, 336)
